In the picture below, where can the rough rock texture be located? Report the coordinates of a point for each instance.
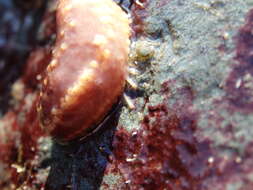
(191, 125)
(194, 122)
(17, 38)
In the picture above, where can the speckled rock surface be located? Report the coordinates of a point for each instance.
(190, 128)
(194, 58)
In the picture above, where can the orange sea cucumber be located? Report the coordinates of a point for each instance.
(88, 69)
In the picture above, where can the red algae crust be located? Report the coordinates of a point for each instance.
(87, 72)
(239, 83)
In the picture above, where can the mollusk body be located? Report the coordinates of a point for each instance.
(88, 69)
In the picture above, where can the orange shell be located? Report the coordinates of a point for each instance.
(88, 69)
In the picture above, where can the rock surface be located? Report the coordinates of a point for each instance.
(190, 128)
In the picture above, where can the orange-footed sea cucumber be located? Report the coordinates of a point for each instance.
(87, 73)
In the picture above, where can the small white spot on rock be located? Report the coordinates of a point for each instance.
(238, 83)
(38, 77)
(210, 160)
